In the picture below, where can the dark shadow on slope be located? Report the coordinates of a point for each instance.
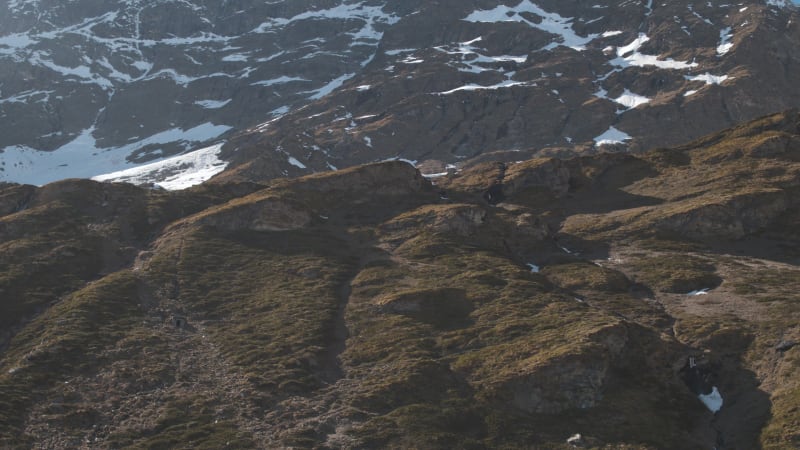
(332, 369)
(605, 201)
(745, 409)
(568, 246)
(761, 246)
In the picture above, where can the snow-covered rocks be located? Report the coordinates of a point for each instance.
(119, 78)
(177, 172)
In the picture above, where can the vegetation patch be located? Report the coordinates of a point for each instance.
(678, 274)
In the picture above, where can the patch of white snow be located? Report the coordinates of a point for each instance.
(296, 163)
(707, 78)
(630, 100)
(629, 55)
(699, 292)
(725, 43)
(551, 23)
(177, 172)
(212, 104)
(612, 136)
(713, 401)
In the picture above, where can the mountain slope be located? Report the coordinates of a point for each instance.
(459, 79)
(299, 87)
(506, 306)
(123, 82)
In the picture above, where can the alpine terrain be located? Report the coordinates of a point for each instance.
(451, 224)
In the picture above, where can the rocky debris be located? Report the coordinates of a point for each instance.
(14, 198)
(732, 217)
(551, 174)
(784, 346)
(781, 146)
(461, 219)
(436, 306)
(525, 227)
(570, 382)
(266, 214)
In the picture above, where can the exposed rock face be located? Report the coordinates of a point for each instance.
(142, 80)
(492, 79)
(549, 174)
(373, 180)
(301, 86)
(442, 306)
(733, 218)
(15, 198)
(562, 386)
(571, 382)
(460, 219)
(269, 214)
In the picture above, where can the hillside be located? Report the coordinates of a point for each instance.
(517, 304)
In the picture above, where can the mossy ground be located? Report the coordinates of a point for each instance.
(394, 319)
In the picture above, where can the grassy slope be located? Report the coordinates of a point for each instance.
(365, 312)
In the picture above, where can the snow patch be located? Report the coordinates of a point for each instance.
(612, 136)
(397, 158)
(534, 268)
(713, 401)
(297, 163)
(331, 86)
(630, 100)
(707, 78)
(725, 43)
(699, 292)
(175, 173)
(551, 23)
(280, 80)
(473, 60)
(83, 158)
(398, 51)
(212, 104)
(629, 55)
(478, 87)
